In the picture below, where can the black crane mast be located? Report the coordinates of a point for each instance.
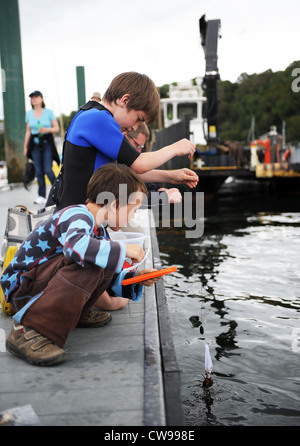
(209, 32)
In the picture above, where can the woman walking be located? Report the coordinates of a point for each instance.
(39, 145)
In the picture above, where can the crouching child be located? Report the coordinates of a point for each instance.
(67, 262)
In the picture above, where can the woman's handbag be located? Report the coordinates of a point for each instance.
(28, 174)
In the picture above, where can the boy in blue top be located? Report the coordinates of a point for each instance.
(67, 262)
(95, 137)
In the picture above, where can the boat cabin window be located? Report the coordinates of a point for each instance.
(170, 111)
(187, 109)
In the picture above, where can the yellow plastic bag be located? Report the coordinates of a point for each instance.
(6, 307)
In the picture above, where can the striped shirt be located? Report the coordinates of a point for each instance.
(69, 232)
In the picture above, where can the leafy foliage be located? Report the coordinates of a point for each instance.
(268, 97)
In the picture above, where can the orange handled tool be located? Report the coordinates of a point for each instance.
(147, 276)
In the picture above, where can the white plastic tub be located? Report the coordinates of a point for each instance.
(134, 238)
(128, 237)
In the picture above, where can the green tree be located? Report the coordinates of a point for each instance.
(267, 96)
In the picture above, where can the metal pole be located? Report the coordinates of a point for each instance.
(209, 32)
(80, 86)
(273, 139)
(13, 91)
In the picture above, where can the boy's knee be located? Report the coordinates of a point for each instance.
(85, 278)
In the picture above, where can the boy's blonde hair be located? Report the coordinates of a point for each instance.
(143, 93)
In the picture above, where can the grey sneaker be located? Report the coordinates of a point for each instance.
(94, 318)
(33, 347)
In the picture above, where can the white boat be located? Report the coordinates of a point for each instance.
(185, 98)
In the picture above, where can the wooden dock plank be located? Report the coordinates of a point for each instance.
(113, 376)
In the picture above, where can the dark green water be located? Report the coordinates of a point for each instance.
(242, 279)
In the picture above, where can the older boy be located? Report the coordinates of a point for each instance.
(67, 262)
(95, 138)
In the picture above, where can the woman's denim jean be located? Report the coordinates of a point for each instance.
(42, 158)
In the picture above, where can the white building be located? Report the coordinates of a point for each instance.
(185, 99)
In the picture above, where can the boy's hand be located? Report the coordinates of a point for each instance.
(184, 176)
(184, 147)
(135, 252)
(148, 282)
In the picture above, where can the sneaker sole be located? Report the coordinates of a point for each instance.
(100, 324)
(40, 362)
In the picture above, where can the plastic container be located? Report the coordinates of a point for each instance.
(136, 238)
(128, 237)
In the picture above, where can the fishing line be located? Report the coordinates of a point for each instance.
(208, 365)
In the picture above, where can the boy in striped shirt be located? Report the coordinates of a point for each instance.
(67, 262)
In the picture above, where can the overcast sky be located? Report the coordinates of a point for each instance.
(157, 37)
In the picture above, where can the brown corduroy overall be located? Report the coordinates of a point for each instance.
(67, 291)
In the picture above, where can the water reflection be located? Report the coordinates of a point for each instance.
(226, 341)
(241, 280)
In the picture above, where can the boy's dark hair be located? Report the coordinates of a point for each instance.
(142, 90)
(109, 177)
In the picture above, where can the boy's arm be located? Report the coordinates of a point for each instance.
(179, 176)
(151, 160)
(132, 292)
(73, 232)
(26, 139)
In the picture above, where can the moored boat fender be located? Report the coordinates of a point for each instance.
(286, 155)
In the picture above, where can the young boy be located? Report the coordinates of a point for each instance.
(95, 137)
(67, 262)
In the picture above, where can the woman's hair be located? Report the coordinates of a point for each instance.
(142, 90)
(111, 178)
(43, 103)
